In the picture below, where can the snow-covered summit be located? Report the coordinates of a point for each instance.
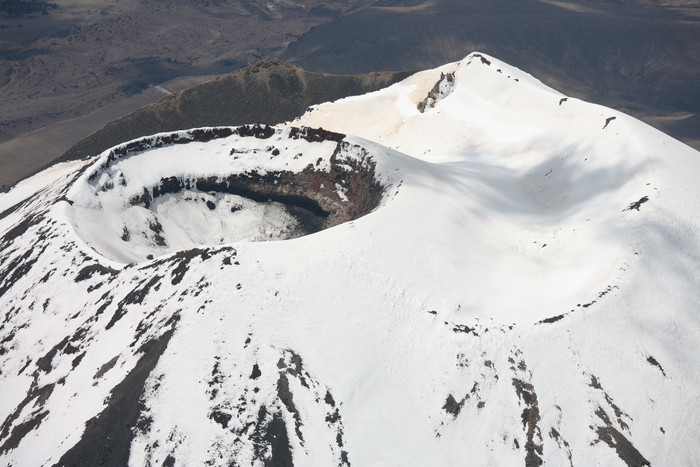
(486, 272)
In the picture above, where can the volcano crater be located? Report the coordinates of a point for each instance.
(214, 186)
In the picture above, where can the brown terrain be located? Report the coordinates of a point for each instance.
(269, 92)
(69, 67)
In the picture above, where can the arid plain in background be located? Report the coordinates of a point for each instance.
(68, 67)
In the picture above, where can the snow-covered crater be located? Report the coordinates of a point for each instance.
(212, 186)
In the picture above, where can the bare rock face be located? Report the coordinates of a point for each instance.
(442, 88)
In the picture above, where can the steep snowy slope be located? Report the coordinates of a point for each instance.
(488, 273)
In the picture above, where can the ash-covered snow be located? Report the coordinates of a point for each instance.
(513, 282)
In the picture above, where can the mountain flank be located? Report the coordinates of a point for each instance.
(268, 92)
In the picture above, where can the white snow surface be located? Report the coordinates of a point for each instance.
(506, 301)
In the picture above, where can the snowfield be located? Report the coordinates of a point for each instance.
(465, 268)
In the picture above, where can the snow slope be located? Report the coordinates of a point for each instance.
(503, 275)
